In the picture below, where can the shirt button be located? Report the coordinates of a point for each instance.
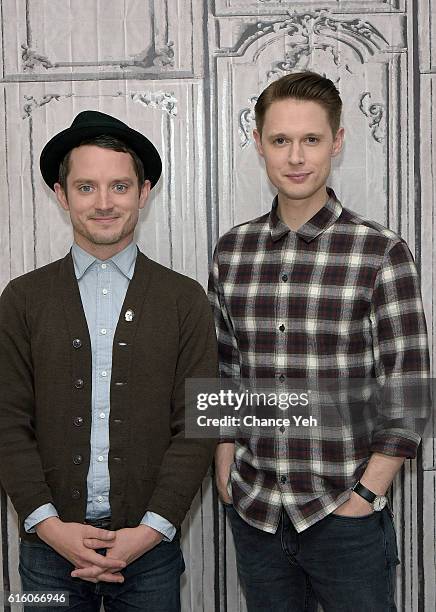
(118, 421)
(77, 343)
(78, 421)
(284, 277)
(117, 459)
(75, 494)
(283, 479)
(282, 428)
(103, 331)
(79, 383)
(103, 266)
(77, 459)
(104, 291)
(104, 373)
(102, 415)
(100, 458)
(100, 499)
(282, 327)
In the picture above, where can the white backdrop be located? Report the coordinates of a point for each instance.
(187, 73)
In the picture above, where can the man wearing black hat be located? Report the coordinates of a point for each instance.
(94, 352)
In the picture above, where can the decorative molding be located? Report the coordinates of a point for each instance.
(165, 101)
(297, 52)
(246, 120)
(32, 103)
(230, 8)
(31, 59)
(360, 35)
(159, 99)
(162, 58)
(376, 112)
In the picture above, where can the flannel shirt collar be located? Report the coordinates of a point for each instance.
(321, 221)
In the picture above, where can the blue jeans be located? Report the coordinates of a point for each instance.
(346, 564)
(152, 582)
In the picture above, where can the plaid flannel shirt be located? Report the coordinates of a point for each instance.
(339, 298)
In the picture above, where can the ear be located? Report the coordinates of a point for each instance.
(61, 196)
(338, 142)
(258, 141)
(145, 192)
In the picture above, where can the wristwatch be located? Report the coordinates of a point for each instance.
(378, 502)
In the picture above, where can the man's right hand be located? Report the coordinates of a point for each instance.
(68, 540)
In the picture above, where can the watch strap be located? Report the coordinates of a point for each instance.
(361, 490)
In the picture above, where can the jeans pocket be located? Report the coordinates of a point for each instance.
(390, 539)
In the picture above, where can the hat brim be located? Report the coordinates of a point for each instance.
(56, 149)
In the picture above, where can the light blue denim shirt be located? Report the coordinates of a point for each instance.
(103, 286)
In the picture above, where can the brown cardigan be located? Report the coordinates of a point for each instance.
(45, 398)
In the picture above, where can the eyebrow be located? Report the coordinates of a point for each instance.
(123, 179)
(283, 135)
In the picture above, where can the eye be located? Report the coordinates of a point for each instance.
(85, 188)
(120, 188)
(280, 140)
(312, 140)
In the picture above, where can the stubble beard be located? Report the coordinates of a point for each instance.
(106, 238)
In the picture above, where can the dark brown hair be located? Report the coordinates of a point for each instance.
(105, 142)
(301, 86)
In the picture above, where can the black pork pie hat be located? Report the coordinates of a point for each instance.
(87, 125)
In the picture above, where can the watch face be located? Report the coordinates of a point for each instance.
(379, 503)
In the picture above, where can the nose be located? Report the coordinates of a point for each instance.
(296, 154)
(103, 200)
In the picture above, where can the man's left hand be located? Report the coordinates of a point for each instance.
(130, 543)
(355, 506)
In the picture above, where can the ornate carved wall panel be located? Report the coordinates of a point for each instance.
(366, 57)
(187, 73)
(264, 7)
(72, 40)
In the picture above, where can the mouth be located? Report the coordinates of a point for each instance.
(104, 220)
(298, 177)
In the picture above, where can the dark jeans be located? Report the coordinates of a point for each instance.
(345, 564)
(152, 582)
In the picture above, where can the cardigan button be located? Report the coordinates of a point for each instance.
(77, 343)
(77, 459)
(75, 494)
(78, 421)
(79, 383)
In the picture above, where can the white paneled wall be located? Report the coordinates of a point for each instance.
(187, 73)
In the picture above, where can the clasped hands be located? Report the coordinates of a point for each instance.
(78, 543)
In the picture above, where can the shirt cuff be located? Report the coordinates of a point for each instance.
(158, 522)
(38, 515)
